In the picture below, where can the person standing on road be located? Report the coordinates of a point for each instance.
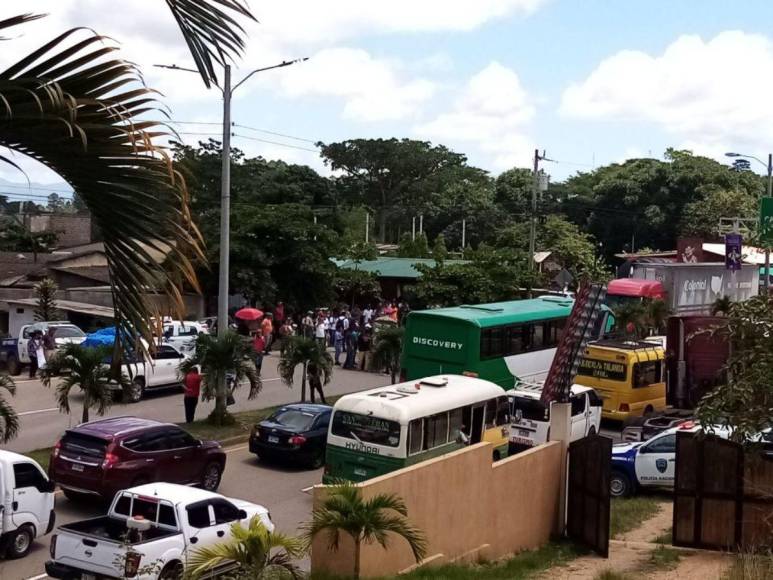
(315, 383)
(258, 345)
(363, 346)
(32, 350)
(267, 330)
(338, 343)
(351, 345)
(191, 393)
(307, 325)
(285, 332)
(49, 344)
(279, 319)
(320, 334)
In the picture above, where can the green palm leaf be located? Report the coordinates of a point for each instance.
(387, 346)
(303, 351)
(9, 420)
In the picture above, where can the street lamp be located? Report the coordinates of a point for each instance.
(225, 183)
(769, 166)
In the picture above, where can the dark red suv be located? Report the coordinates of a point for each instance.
(106, 456)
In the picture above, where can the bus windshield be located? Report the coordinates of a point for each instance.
(366, 429)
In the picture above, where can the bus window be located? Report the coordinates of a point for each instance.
(455, 422)
(503, 411)
(539, 336)
(515, 340)
(491, 413)
(646, 374)
(435, 431)
(415, 432)
(366, 429)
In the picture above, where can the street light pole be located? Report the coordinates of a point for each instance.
(225, 209)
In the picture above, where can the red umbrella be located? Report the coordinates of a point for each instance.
(249, 314)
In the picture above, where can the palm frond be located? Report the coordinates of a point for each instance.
(212, 34)
(17, 20)
(67, 105)
(300, 350)
(9, 420)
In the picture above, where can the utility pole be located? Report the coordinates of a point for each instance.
(533, 227)
(464, 232)
(421, 223)
(767, 248)
(225, 208)
(367, 226)
(413, 229)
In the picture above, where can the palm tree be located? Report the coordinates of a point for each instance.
(300, 350)
(89, 371)
(629, 318)
(721, 306)
(9, 420)
(82, 111)
(387, 346)
(657, 312)
(259, 553)
(369, 521)
(216, 357)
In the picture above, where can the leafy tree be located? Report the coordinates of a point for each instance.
(259, 553)
(45, 290)
(745, 403)
(303, 351)
(387, 173)
(354, 286)
(439, 250)
(630, 319)
(656, 314)
(370, 521)
(416, 248)
(14, 237)
(513, 190)
(74, 106)
(88, 371)
(701, 217)
(55, 203)
(216, 357)
(386, 350)
(9, 420)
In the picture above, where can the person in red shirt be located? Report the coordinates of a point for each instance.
(191, 393)
(267, 329)
(258, 345)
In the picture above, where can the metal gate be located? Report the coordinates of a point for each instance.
(588, 501)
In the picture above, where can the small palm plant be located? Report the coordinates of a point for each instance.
(344, 510)
(721, 306)
(387, 346)
(218, 356)
(89, 371)
(629, 319)
(303, 351)
(259, 553)
(657, 312)
(9, 420)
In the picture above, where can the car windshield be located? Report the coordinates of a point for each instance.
(366, 428)
(531, 409)
(293, 419)
(68, 332)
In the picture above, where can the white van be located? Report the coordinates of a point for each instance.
(530, 418)
(27, 509)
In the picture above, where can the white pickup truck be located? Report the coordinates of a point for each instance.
(148, 534)
(161, 371)
(26, 504)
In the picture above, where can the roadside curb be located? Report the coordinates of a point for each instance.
(236, 439)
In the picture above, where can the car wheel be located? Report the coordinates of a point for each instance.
(210, 480)
(19, 542)
(620, 485)
(648, 411)
(14, 368)
(135, 391)
(317, 460)
(172, 571)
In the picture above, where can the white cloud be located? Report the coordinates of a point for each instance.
(371, 88)
(709, 93)
(492, 112)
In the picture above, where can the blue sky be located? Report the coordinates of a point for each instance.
(590, 81)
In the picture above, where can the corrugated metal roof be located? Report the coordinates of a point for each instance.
(393, 267)
(497, 313)
(70, 306)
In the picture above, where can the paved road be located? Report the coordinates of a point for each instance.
(42, 423)
(276, 487)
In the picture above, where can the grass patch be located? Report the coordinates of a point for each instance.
(663, 558)
(666, 538)
(628, 513)
(42, 456)
(748, 566)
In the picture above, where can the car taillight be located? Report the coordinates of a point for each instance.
(624, 408)
(472, 374)
(110, 457)
(132, 564)
(57, 447)
(297, 440)
(52, 547)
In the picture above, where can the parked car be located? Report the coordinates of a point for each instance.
(102, 457)
(161, 371)
(26, 504)
(182, 334)
(148, 533)
(530, 418)
(294, 432)
(13, 350)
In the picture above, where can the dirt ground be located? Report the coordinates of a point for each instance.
(629, 554)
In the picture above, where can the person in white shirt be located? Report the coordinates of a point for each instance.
(367, 314)
(321, 332)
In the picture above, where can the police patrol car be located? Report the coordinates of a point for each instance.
(650, 463)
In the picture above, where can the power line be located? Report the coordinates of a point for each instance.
(276, 143)
(35, 188)
(286, 136)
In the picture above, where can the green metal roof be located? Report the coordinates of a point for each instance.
(498, 313)
(393, 267)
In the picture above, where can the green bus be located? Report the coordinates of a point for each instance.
(501, 342)
(387, 428)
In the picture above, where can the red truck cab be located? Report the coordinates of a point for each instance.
(625, 290)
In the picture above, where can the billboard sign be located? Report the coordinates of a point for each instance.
(733, 252)
(766, 221)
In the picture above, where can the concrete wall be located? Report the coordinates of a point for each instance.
(468, 508)
(101, 296)
(71, 229)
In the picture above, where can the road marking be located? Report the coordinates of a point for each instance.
(38, 411)
(233, 449)
(307, 489)
(37, 577)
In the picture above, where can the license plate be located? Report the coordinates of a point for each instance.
(88, 577)
(523, 441)
(523, 433)
(272, 439)
(360, 472)
(78, 467)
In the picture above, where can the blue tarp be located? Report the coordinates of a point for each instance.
(103, 336)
